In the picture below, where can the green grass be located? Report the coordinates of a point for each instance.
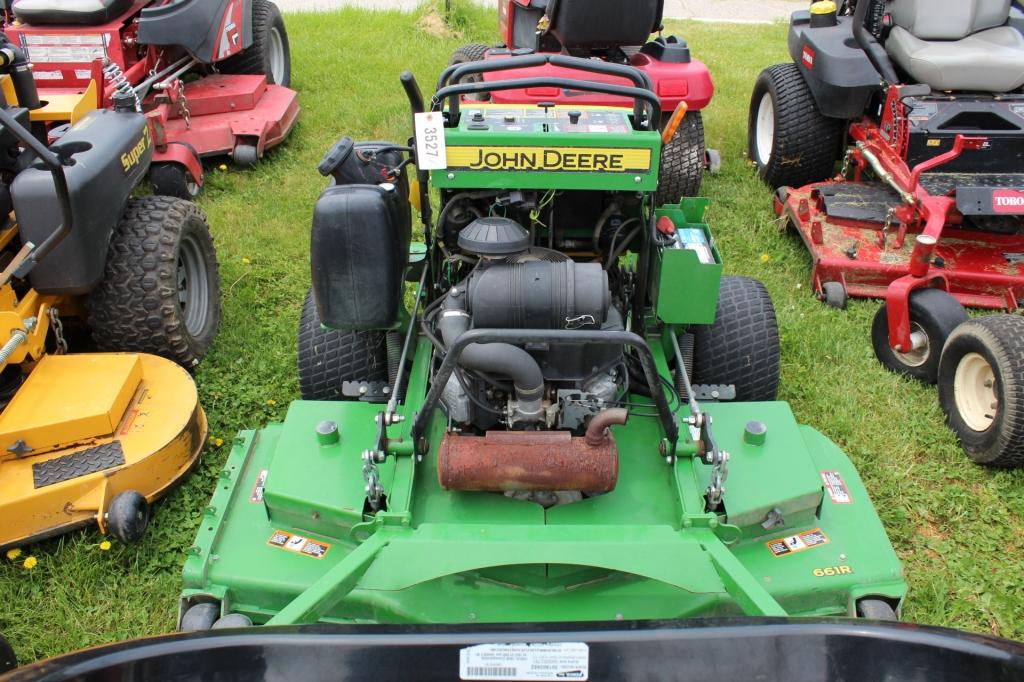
(956, 526)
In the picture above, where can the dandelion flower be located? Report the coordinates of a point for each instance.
(105, 545)
(13, 554)
(246, 261)
(30, 562)
(765, 258)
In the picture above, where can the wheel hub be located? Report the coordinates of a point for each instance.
(276, 53)
(974, 391)
(193, 292)
(921, 347)
(765, 128)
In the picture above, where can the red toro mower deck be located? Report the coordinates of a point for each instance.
(864, 235)
(228, 110)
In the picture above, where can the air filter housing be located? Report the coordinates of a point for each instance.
(494, 237)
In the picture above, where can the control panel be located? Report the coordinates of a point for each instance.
(545, 146)
(539, 120)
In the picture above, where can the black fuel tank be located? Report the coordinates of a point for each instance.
(358, 252)
(111, 153)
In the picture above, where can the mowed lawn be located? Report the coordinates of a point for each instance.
(956, 526)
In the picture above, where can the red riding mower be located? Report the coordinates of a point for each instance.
(617, 32)
(210, 75)
(926, 96)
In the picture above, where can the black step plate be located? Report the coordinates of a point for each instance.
(77, 464)
(867, 201)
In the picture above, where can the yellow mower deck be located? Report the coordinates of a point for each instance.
(83, 428)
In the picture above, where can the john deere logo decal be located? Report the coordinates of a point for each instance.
(575, 159)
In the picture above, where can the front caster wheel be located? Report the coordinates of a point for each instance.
(200, 616)
(232, 620)
(127, 516)
(934, 315)
(981, 389)
(174, 180)
(245, 155)
(876, 609)
(834, 294)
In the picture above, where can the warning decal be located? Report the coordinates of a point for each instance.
(257, 490)
(298, 544)
(836, 487)
(536, 661)
(797, 543)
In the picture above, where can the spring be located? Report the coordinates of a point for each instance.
(113, 73)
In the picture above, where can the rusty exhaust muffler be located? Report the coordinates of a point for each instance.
(533, 460)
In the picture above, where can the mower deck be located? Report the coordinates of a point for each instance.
(844, 227)
(85, 427)
(225, 111)
(647, 549)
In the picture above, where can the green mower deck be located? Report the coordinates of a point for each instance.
(646, 550)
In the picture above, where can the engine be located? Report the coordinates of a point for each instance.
(516, 286)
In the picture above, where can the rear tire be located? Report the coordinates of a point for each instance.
(981, 389)
(682, 162)
(160, 292)
(473, 52)
(932, 312)
(789, 140)
(269, 55)
(173, 180)
(330, 357)
(741, 347)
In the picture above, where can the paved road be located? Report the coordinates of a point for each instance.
(736, 11)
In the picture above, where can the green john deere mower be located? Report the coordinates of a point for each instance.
(552, 408)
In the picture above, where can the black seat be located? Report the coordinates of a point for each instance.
(604, 23)
(80, 12)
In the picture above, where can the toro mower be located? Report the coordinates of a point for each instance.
(926, 211)
(94, 436)
(211, 76)
(571, 415)
(616, 32)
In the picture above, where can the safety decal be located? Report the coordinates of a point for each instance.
(257, 490)
(836, 487)
(298, 544)
(797, 543)
(526, 662)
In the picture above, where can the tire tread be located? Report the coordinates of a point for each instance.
(682, 162)
(329, 357)
(742, 346)
(135, 307)
(1003, 337)
(806, 143)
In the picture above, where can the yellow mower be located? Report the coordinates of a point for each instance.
(94, 436)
